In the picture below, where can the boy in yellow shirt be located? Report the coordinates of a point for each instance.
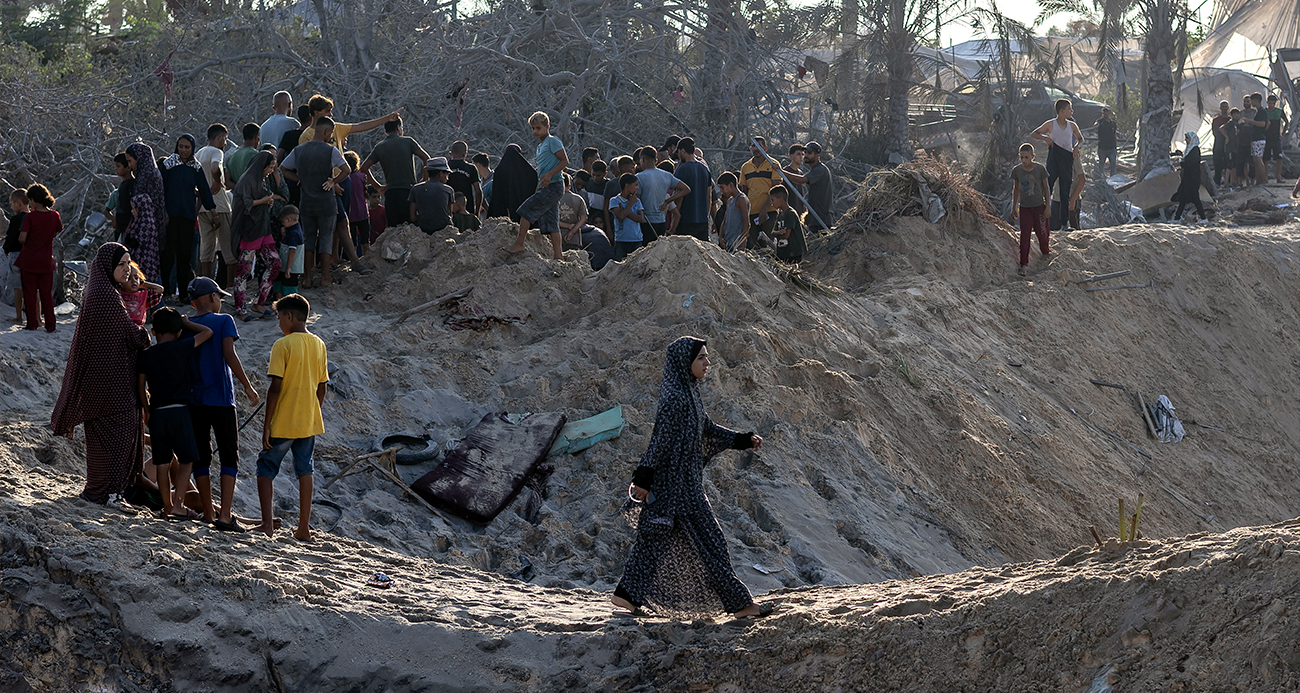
(299, 369)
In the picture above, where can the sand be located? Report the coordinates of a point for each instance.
(919, 432)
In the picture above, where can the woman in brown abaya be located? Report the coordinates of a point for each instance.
(99, 383)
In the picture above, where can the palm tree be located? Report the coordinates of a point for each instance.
(890, 31)
(1163, 26)
(1015, 47)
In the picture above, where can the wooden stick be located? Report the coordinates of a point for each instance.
(1102, 383)
(1100, 277)
(1133, 528)
(1096, 536)
(1146, 416)
(1147, 285)
(348, 470)
(457, 294)
(1122, 519)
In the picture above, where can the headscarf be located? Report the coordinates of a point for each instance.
(250, 222)
(513, 181)
(100, 378)
(149, 224)
(175, 159)
(684, 438)
(1194, 140)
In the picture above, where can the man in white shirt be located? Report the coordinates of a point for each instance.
(214, 225)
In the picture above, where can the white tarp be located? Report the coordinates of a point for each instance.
(1203, 89)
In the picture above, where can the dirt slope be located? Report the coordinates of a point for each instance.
(919, 421)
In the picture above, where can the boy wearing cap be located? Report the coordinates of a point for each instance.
(430, 201)
(212, 408)
(165, 390)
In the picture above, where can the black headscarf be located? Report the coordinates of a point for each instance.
(684, 437)
(175, 158)
(513, 181)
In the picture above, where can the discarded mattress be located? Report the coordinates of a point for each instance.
(485, 472)
(577, 436)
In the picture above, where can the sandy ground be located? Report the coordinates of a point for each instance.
(929, 414)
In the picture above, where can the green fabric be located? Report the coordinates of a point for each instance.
(238, 160)
(577, 436)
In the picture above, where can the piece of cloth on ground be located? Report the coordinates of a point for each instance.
(577, 436)
(1168, 427)
(485, 472)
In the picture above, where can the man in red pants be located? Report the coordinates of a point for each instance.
(1029, 198)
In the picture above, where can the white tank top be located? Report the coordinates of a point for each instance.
(1063, 137)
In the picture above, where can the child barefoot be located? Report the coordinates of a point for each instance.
(299, 369)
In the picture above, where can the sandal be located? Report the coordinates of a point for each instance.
(228, 527)
(381, 581)
(173, 517)
(249, 317)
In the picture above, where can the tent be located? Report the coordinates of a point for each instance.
(1256, 37)
(1203, 89)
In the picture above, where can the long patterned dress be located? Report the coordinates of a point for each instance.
(679, 564)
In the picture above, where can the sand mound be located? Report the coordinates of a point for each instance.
(932, 415)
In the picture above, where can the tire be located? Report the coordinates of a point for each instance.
(416, 450)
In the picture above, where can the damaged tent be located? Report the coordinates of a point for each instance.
(1258, 37)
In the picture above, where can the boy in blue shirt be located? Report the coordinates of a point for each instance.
(212, 409)
(542, 209)
(628, 214)
(165, 388)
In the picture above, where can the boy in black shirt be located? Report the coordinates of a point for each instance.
(784, 227)
(165, 391)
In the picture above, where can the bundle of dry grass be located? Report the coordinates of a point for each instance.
(907, 190)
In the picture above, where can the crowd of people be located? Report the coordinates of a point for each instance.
(247, 228)
(1047, 198)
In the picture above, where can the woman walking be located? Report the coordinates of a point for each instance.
(1189, 189)
(99, 383)
(251, 231)
(148, 225)
(679, 562)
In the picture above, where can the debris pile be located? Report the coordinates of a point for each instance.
(927, 187)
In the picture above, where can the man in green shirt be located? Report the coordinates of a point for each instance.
(238, 160)
(396, 157)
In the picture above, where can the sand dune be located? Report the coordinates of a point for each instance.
(929, 417)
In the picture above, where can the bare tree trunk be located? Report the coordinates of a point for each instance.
(1157, 123)
(899, 69)
(715, 36)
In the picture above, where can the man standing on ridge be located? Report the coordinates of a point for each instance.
(396, 156)
(273, 129)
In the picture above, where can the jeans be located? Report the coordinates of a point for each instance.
(397, 204)
(268, 463)
(1102, 156)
